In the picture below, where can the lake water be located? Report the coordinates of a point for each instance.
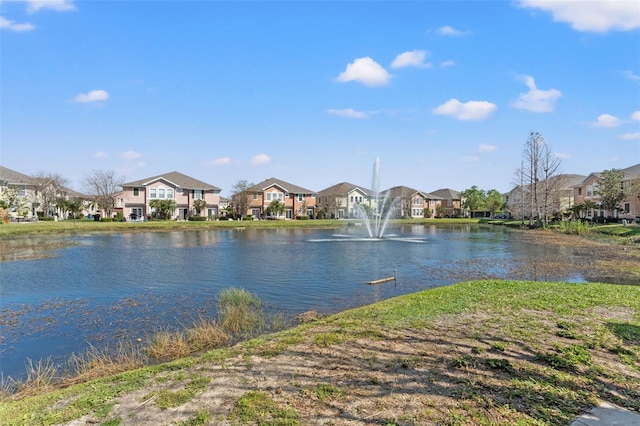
(126, 286)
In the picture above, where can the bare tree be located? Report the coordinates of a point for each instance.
(49, 187)
(537, 169)
(104, 186)
(241, 198)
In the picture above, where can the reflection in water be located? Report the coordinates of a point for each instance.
(126, 286)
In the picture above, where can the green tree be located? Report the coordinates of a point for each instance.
(474, 199)
(199, 206)
(163, 208)
(441, 210)
(610, 189)
(494, 201)
(276, 208)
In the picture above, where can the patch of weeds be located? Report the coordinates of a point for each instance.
(280, 346)
(219, 355)
(478, 350)
(499, 346)
(499, 364)
(202, 417)
(627, 356)
(328, 339)
(371, 334)
(567, 330)
(326, 391)
(626, 331)
(567, 357)
(258, 408)
(112, 422)
(463, 361)
(168, 399)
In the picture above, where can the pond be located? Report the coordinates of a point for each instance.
(103, 288)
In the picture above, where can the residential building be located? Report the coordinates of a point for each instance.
(19, 192)
(409, 202)
(345, 200)
(136, 196)
(586, 193)
(297, 201)
(559, 197)
(450, 204)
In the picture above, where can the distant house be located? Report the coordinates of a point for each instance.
(19, 192)
(586, 193)
(450, 204)
(411, 202)
(134, 200)
(343, 200)
(297, 201)
(560, 191)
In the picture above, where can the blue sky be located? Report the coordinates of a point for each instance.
(445, 93)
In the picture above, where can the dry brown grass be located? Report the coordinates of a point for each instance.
(100, 362)
(206, 334)
(167, 345)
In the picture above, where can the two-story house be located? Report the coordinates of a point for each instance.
(450, 202)
(297, 201)
(19, 193)
(409, 202)
(344, 200)
(134, 201)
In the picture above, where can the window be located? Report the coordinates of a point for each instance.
(268, 196)
(255, 213)
(300, 197)
(212, 212)
(197, 194)
(136, 192)
(579, 191)
(170, 194)
(152, 193)
(352, 198)
(310, 212)
(280, 196)
(255, 196)
(418, 201)
(627, 208)
(160, 192)
(120, 202)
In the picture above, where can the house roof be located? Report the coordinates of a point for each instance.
(15, 178)
(447, 194)
(344, 188)
(285, 186)
(405, 191)
(178, 179)
(632, 172)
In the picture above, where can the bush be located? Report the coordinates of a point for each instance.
(302, 217)
(197, 218)
(106, 219)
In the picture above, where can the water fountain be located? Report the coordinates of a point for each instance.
(376, 222)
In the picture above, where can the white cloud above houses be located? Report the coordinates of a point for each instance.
(450, 31)
(630, 75)
(562, 156)
(413, 58)
(92, 96)
(348, 113)
(636, 116)
(222, 161)
(487, 148)
(591, 16)
(260, 159)
(100, 154)
(471, 110)
(536, 100)
(366, 71)
(57, 5)
(630, 136)
(131, 155)
(7, 24)
(606, 120)
(447, 63)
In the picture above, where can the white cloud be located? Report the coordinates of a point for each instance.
(636, 116)
(57, 5)
(348, 113)
(472, 110)
(448, 63)
(450, 31)
(366, 71)
(629, 136)
(13, 26)
(414, 58)
(606, 120)
(92, 96)
(221, 161)
(487, 148)
(591, 16)
(631, 76)
(536, 100)
(101, 154)
(470, 159)
(260, 159)
(131, 155)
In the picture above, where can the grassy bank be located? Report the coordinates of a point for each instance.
(13, 230)
(483, 352)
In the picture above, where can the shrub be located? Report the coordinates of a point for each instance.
(106, 219)
(302, 217)
(240, 312)
(197, 218)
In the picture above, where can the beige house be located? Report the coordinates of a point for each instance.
(19, 192)
(298, 202)
(135, 197)
(450, 203)
(412, 203)
(343, 200)
(561, 196)
(586, 192)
